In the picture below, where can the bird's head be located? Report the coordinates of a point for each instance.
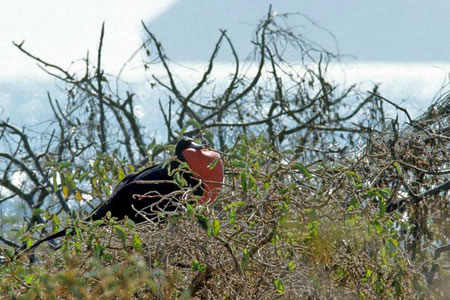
(205, 164)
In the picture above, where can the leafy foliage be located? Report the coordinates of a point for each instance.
(316, 204)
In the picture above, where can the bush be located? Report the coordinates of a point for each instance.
(317, 204)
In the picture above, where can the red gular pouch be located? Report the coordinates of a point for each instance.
(206, 165)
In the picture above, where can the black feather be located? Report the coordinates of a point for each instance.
(142, 196)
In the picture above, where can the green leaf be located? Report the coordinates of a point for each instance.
(203, 221)
(37, 211)
(129, 223)
(64, 164)
(179, 180)
(383, 255)
(340, 272)
(65, 191)
(354, 204)
(78, 196)
(121, 234)
(39, 227)
(83, 176)
(190, 210)
(98, 250)
(256, 166)
(299, 166)
(216, 228)
(157, 150)
(245, 257)
(29, 279)
(55, 221)
(279, 286)
(97, 223)
(379, 287)
(312, 228)
(397, 168)
(213, 164)
(394, 242)
(378, 227)
(244, 182)
(193, 123)
(96, 164)
(197, 266)
(120, 174)
(251, 182)
(386, 192)
(243, 149)
(353, 175)
(151, 145)
(209, 136)
(238, 164)
(372, 192)
(235, 204)
(284, 190)
(77, 247)
(8, 252)
(232, 217)
(391, 247)
(78, 233)
(292, 266)
(137, 243)
(381, 206)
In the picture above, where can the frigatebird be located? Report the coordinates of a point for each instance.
(145, 195)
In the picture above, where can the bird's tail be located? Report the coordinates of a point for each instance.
(22, 250)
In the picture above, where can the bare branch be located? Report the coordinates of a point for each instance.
(99, 77)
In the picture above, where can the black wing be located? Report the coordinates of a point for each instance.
(140, 192)
(126, 201)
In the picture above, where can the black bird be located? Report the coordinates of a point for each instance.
(144, 195)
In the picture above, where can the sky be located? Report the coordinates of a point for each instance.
(382, 30)
(63, 31)
(403, 45)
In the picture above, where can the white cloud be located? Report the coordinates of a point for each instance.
(139, 111)
(61, 31)
(18, 179)
(412, 84)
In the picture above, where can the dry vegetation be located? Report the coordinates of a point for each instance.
(325, 197)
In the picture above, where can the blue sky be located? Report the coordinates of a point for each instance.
(403, 45)
(381, 30)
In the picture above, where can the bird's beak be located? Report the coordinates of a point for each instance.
(196, 146)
